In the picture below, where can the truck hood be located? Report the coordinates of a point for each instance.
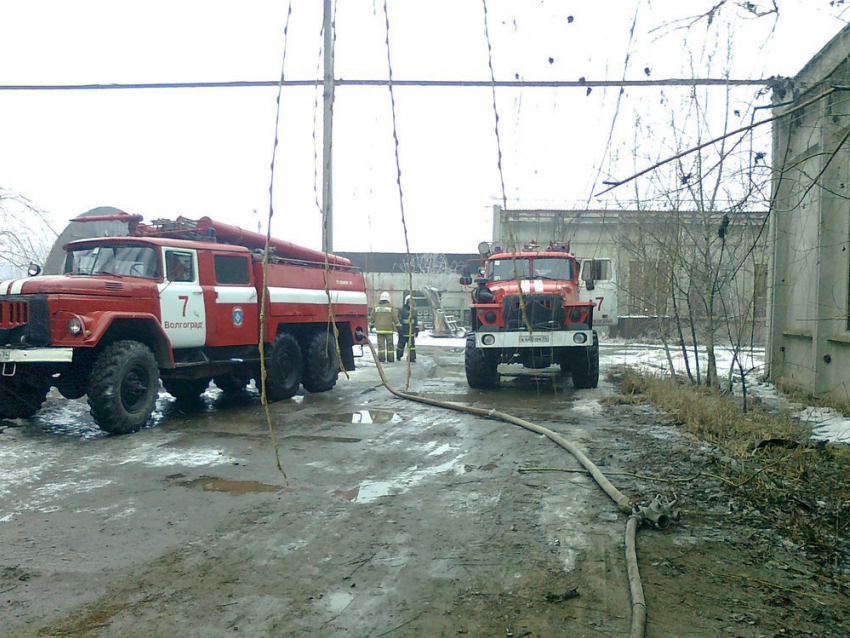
(80, 285)
(533, 287)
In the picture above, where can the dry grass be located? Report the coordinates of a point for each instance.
(709, 415)
(793, 393)
(802, 488)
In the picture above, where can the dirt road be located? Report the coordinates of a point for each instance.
(398, 520)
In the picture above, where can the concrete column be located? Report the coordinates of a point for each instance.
(832, 260)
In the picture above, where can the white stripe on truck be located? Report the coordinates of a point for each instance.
(235, 294)
(307, 296)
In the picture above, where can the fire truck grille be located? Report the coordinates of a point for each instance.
(544, 312)
(14, 313)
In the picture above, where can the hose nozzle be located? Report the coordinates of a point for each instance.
(659, 514)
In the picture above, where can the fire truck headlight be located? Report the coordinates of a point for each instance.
(75, 326)
(575, 315)
(490, 316)
(488, 340)
(580, 337)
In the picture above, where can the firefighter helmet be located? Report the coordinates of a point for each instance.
(385, 297)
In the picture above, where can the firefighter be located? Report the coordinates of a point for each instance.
(385, 321)
(407, 332)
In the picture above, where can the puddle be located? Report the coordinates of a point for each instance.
(213, 484)
(338, 601)
(372, 491)
(361, 416)
(586, 406)
(369, 491)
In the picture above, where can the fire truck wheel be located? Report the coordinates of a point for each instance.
(481, 366)
(586, 366)
(283, 368)
(123, 387)
(20, 400)
(185, 390)
(321, 363)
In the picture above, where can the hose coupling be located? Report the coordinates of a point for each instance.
(659, 514)
(360, 335)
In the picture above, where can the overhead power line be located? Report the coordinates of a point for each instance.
(244, 84)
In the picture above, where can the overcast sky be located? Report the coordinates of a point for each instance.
(207, 151)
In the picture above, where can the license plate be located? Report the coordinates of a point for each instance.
(5, 355)
(535, 339)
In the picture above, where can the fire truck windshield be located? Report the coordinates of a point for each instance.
(553, 268)
(129, 261)
(503, 269)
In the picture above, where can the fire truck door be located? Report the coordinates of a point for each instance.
(234, 309)
(604, 293)
(181, 300)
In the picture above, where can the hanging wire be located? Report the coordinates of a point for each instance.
(400, 196)
(265, 300)
(507, 220)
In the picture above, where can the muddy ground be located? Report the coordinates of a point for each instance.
(398, 520)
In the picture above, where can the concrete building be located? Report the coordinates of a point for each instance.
(388, 272)
(809, 326)
(639, 245)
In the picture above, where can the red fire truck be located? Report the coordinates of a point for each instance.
(526, 309)
(177, 301)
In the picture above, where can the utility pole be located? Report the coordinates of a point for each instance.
(327, 136)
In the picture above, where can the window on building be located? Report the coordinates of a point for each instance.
(232, 269)
(648, 287)
(760, 291)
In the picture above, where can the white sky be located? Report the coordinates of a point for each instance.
(207, 152)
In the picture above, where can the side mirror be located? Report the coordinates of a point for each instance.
(466, 280)
(34, 270)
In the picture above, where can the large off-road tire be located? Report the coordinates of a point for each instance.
(123, 387)
(283, 368)
(20, 400)
(321, 363)
(585, 367)
(481, 366)
(186, 390)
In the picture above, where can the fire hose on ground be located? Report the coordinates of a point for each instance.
(658, 513)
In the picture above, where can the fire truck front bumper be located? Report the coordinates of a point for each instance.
(554, 339)
(36, 355)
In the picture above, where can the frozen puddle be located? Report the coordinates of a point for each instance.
(369, 491)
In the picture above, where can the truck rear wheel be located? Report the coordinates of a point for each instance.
(321, 363)
(20, 400)
(185, 390)
(586, 366)
(481, 366)
(283, 368)
(123, 387)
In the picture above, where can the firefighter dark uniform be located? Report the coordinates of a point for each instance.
(385, 319)
(407, 332)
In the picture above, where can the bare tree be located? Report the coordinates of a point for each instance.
(26, 235)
